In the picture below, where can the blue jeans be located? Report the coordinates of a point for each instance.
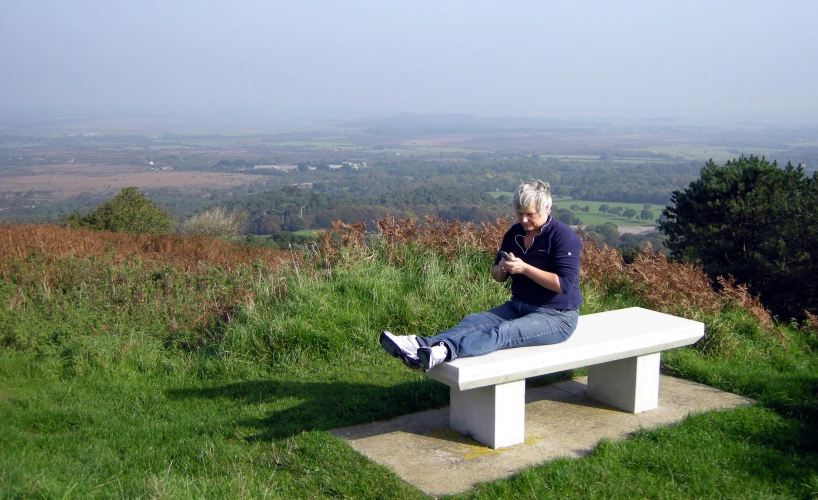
(512, 324)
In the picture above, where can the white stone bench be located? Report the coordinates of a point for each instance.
(620, 348)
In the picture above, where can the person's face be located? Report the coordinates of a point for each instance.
(531, 219)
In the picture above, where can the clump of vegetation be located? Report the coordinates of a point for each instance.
(129, 211)
(217, 222)
(64, 284)
(26, 245)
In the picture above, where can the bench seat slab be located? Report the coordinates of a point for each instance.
(621, 349)
(630, 384)
(493, 415)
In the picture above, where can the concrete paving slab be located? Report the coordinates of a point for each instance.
(560, 421)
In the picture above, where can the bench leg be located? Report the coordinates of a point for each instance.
(493, 415)
(630, 384)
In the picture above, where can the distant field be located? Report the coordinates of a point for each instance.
(704, 152)
(593, 217)
(687, 152)
(570, 157)
(75, 178)
(444, 149)
(409, 150)
(315, 144)
(424, 150)
(642, 160)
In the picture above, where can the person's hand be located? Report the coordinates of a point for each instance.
(512, 265)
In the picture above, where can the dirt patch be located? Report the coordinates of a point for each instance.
(636, 229)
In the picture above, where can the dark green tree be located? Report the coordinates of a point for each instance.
(129, 211)
(604, 208)
(756, 222)
(629, 213)
(646, 215)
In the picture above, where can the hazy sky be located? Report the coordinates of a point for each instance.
(480, 57)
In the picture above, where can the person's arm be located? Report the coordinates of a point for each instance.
(543, 278)
(564, 261)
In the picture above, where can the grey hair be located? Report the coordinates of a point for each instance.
(533, 193)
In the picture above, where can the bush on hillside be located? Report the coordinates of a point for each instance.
(129, 211)
(217, 222)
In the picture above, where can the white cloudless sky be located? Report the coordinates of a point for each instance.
(465, 56)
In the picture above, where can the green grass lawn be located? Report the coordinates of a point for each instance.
(90, 412)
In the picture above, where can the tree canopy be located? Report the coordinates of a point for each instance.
(756, 222)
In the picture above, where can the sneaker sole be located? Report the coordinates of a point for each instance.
(392, 349)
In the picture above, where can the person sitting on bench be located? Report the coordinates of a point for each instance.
(541, 255)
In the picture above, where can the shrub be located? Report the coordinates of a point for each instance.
(217, 222)
(129, 211)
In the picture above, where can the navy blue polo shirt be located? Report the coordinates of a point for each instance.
(556, 249)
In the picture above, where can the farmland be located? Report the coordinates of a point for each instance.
(405, 165)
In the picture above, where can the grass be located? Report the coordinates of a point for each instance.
(745, 453)
(181, 435)
(244, 411)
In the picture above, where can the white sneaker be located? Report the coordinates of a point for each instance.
(404, 347)
(430, 357)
